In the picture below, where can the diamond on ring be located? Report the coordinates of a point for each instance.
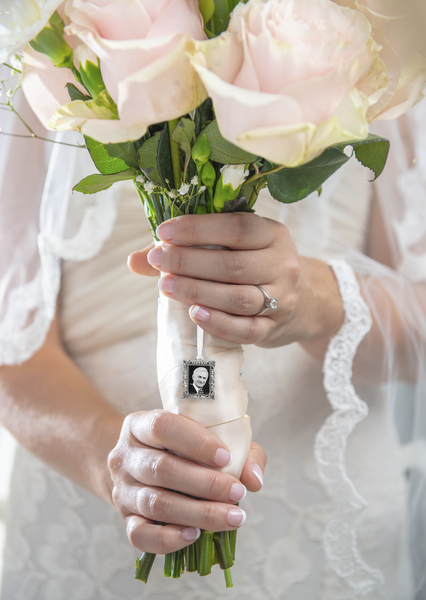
(268, 303)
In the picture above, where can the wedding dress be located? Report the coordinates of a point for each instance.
(343, 499)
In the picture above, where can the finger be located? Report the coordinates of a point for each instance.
(158, 539)
(164, 430)
(246, 267)
(242, 231)
(138, 263)
(254, 467)
(165, 506)
(166, 470)
(233, 299)
(238, 329)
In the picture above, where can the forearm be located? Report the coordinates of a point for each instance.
(55, 413)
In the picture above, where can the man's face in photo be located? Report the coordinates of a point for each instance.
(200, 376)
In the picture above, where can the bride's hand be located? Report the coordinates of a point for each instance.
(144, 471)
(220, 285)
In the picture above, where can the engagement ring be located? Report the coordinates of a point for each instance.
(269, 303)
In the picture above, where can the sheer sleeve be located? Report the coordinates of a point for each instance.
(36, 184)
(24, 316)
(392, 276)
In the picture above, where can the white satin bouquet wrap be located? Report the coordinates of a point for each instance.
(226, 414)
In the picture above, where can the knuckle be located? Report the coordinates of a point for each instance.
(209, 516)
(159, 423)
(233, 265)
(193, 292)
(239, 226)
(241, 301)
(162, 543)
(218, 486)
(160, 468)
(177, 260)
(223, 327)
(115, 460)
(250, 334)
(133, 533)
(153, 504)
(117, 498)
(293, 269)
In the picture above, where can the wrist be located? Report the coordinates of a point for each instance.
(321, 304)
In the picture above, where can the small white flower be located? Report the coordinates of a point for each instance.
(233, 175)
(194, 180)
(173, 194)
(202, 188)
(184, 189)
(149, 186)
(140, 179)
(9, 93)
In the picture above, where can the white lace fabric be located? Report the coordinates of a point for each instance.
(340, 535)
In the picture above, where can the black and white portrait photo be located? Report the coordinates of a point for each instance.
(198, 379)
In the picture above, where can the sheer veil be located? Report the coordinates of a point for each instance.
(36, 183)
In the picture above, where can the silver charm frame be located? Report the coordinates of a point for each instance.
(188, 368)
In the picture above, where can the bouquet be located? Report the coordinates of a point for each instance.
(202, 103)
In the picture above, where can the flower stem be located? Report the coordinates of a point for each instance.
(143, 566)
(223, 547)
(174, 149)
(206, 553)
(191, 565)
(264, 173)
(168, 563)
(228, 578)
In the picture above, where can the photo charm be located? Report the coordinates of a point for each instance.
(199, 379)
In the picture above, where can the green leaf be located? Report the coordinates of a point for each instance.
(164, 159)
(183, 134)
(97, 183)
(220, 18)
(112, 158)
(203, 115)
(148, 158)
(75, 93)
(371, 152)
(223, 151)
(292, 185)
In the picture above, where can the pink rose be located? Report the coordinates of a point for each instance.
(399, 28)
(144, 48)
(282, 78)
(45, 89)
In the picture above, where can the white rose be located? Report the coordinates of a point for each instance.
(21, 21)
(234, 175)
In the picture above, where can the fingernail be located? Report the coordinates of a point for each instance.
(238, 492)
(154, 257)
(167, 284)
(223, 458)
(165, 232)
(198, 313)
(236, 517)
(257, 471)
(190, 534)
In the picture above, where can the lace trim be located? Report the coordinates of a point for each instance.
(340, 535)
